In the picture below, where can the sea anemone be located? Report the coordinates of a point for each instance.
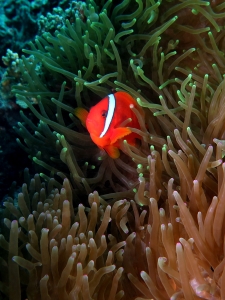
(156, 230)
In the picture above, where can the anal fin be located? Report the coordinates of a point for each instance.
(112, 151)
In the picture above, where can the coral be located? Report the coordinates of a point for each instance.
(15, 32)
(51, 21)
(160, 233)
(18, 25)
(56, 20)
(12, 71)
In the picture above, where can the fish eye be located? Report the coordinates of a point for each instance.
(104, 113)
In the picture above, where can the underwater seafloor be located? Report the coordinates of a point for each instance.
(79, 224)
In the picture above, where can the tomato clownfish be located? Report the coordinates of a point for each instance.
(106, 121)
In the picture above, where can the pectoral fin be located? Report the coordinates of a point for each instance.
(81, 114)
(119, 133)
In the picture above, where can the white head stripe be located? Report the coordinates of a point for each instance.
(110, 113)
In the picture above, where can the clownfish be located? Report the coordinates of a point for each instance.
(107, 120)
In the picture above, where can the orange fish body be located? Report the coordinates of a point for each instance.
(105, 121)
